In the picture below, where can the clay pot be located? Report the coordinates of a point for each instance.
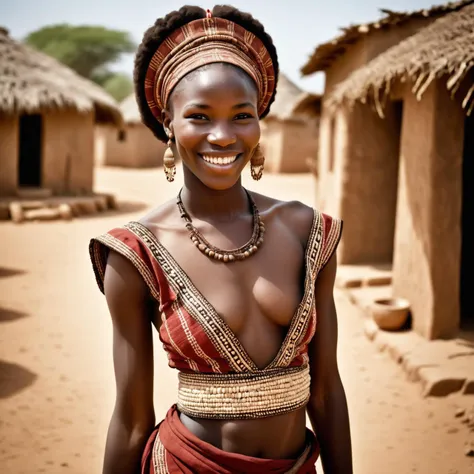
(390, 314)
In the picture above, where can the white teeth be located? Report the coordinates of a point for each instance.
(220, 161)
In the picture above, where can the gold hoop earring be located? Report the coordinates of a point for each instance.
(169, 166)
(257, 163)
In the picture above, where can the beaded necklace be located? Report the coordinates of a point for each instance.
(226, 256)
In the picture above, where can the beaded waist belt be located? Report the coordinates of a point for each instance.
(243, 396)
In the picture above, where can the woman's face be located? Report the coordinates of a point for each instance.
(214, 120)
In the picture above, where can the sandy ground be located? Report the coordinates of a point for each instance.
(56, 378)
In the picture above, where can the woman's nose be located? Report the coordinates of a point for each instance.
(222, 136)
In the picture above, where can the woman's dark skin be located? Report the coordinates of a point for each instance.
(214, 112)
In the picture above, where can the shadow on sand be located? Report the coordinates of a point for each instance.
(14, 378)
(466, 335)
(7, 315)
(10, 272)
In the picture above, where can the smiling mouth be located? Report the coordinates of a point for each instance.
(221, 160)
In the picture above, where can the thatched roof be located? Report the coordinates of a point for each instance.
(325, 54)
(308, 104)
(31, 81)
(287, 95)
(444, 48)
(130, 110)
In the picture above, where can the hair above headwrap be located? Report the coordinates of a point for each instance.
(207, 41)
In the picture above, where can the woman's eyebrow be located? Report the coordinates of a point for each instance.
(207, 107)
(243, 105)
(198, 106)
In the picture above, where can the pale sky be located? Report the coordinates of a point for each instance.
(296, 26)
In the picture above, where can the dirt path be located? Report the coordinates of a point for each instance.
(56, 378)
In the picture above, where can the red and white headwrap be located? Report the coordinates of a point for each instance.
(205, 41)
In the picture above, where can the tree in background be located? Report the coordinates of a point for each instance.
(118, 85)
(89, 50)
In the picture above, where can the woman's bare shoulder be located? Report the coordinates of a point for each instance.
(123, 280)
(161, 217)
(295, 215)
(299, 217)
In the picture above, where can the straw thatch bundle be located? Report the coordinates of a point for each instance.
(325, 54)
(444, 48)
(31, 81)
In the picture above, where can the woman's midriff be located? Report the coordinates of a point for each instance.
(277, 437)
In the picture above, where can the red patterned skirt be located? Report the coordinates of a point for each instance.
(173, 449)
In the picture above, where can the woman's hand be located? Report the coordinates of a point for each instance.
(133, 418)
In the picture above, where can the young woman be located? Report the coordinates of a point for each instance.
(239, 285)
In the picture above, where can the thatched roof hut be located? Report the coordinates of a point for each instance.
(325, 54)
(404, 169)
(308, 104)
(444, 48)
(287, 95)
(47, 118)
(290, 131)
(130, 110)
(133, 147)
(31, 81)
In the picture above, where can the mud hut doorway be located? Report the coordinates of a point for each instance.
(467, 227)
(370, 188)
(393, 125)
(30, 147)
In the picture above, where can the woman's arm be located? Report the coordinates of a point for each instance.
(133, 417)
(327, 407)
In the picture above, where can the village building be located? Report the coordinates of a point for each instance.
(133, 147)
(290, 133)
(308, 105)
(396, 155)
(47, 119)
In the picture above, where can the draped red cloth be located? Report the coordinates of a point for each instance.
(195, 337)
(199, 341)
(173, 449)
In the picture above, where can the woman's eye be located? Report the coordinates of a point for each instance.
(243, 116)
(197, 117)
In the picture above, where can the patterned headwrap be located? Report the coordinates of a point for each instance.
(205, 41)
